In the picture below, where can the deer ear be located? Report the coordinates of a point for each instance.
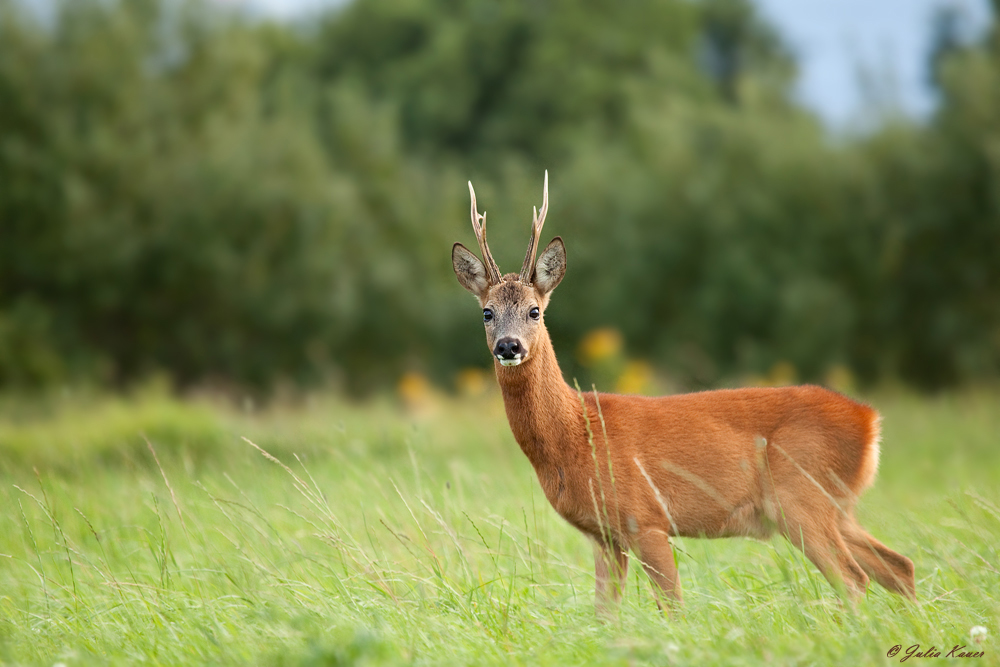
(550, 267)
(470, 271)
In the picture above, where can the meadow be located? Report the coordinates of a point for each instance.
(323, 532)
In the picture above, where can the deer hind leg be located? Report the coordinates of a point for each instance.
(892, 570)
(611, 569)
(657, 558)
(816, 533)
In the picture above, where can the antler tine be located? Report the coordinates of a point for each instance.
(479, 227)
(538, 219)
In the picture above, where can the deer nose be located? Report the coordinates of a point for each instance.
(507, 348)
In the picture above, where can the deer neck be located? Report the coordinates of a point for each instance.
(543, 411)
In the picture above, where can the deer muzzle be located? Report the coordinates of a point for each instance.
(509, 351)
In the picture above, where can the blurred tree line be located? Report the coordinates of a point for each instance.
(188, 191)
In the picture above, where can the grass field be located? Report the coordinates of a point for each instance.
(400, 538)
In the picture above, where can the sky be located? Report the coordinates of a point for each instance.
(834, 41)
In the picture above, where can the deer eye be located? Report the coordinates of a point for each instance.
(533, 313)
(487, 314)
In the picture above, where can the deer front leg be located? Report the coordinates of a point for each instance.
(657, 558)
(610, 569)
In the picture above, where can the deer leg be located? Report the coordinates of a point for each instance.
(816, 534)
(657, 558)
(892, 570)
(610, 568)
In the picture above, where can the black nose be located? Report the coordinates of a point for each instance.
(507, 348)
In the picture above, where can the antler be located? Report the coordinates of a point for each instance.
(536, 230)
(479, 226)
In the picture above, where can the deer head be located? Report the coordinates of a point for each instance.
(512, 305)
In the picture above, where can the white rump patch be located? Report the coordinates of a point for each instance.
(869, 464)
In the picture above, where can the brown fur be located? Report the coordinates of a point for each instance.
(735, 462)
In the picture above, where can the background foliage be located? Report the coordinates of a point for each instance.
(183, 190)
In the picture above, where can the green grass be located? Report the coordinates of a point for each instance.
(424, 539)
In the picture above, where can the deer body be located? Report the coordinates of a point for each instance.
(631, 471)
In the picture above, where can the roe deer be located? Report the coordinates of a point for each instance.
(631, 471)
